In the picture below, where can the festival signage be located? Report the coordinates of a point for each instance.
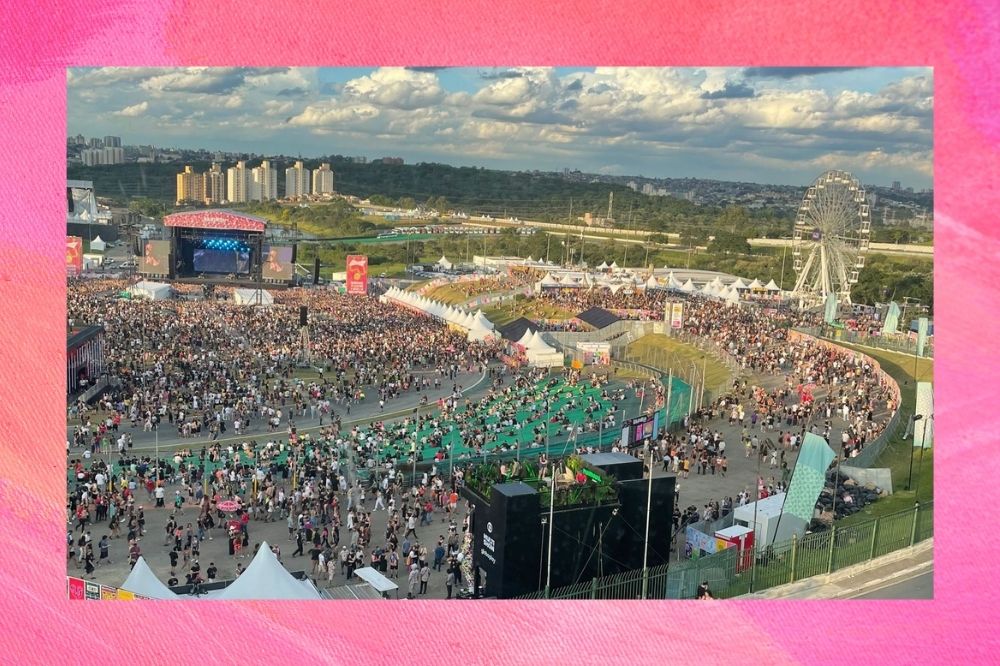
(91, 591)
(108, 593)
(595, 353)
(677, 315)
(76, 588)
(357, 274)
(74, 255)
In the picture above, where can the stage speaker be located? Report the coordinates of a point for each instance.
(303, 315)
(69, 199)
(316, 271)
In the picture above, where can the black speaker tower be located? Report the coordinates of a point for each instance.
(303, 315)
(316, 271)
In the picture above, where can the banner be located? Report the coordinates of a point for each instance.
(831, 308)
(91, 591)
(923, 430)
(76, 588)
(891, 319)
(74, 255)
(921, 335)
(595, 353)
(155, 259)
(357, 274)
(808, 479)
(278, 262)
(108, 593)
(677, 315)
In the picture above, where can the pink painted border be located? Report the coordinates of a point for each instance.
(38, 40)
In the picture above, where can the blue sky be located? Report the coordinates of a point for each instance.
(771, 125)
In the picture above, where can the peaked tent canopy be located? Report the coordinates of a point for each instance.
(98, 245)
(143, 581)
(266, 578)
(688, 286)
(772, 286)
(444, 263)
(515, 330)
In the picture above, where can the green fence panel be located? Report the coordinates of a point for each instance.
(853, 545)
(772, 566)
(812, 555)
(925, 521)
(892, 532)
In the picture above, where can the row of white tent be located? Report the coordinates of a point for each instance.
(477, 325)
(539, 352)
(264, 578)
(714, 288)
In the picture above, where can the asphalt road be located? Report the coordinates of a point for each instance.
(920, 586)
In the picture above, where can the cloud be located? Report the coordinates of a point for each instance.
(208, 80)
(494, 74)
(133, 111)
(426, 69)
(791, 72)
(396, 87)
(731, 91)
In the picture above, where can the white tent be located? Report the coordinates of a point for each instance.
(756, 284)
(481, 318)
(98, 245)
(526, 338)
(444, 263)
(266, 578)
(249, 297)
(771, 286)
(733, 298)
(613, 266)
(672, 282)
(548, 281)
(739, 284)
(479, 332)
(603, 266)
(688, 286)
(154, 291)
(708, 289)
(143, 581)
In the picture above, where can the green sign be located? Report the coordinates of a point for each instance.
(593, 475)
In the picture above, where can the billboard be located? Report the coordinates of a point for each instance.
(595, 353)
(923, 429)
(676, 315)
(357, 274)
(155, 257)
(74, 255)
(279, 262)
(640, 428)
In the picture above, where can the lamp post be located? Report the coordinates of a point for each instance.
(541, 550)
(920, 465)
(552, 508)
(913, 420)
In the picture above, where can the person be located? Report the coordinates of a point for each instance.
(439, 554)
(704, 592)
(449, 582)
(413, 579)
(103, 547)
(211, 572)
(425, 576)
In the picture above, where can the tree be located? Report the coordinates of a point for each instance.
(729, 243)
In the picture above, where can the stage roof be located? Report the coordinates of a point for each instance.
(597, 317)
(223, 220)
(79, 334)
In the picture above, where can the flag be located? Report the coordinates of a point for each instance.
(808, 479)
(831, 308)
(923, 430)
(891, 322)
(922, 325)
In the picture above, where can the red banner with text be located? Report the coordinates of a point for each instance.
(357, 274)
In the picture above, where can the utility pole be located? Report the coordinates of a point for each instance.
(629, 226)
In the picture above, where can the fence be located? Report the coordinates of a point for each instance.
(730, 573)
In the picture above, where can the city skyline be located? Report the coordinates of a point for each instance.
(775, 125)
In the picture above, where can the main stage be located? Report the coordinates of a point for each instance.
(217, 247)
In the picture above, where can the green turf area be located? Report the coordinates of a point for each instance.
(450, 294)
(896, 455)
(522, 431)
(666, 353)
(508, 311)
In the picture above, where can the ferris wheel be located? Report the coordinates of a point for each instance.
(831, 236)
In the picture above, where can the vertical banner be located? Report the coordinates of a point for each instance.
(74, 255)
(76, 589)
(831, 308)
(91, 591)
(677, 315)
(922, 325)
(923, 430)
(808, 479)
(357, 274)
(891, 322)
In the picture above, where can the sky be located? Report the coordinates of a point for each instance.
(779, 125)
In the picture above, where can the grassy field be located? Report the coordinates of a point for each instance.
(896, 455)
(532, 309)
(664, 352)
(450, 294)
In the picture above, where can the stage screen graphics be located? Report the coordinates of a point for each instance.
(357, 274)
(640, 428)
(155, 257)
(221, 261)
(279, 262)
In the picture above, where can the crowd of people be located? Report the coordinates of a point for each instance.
(205, 366)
